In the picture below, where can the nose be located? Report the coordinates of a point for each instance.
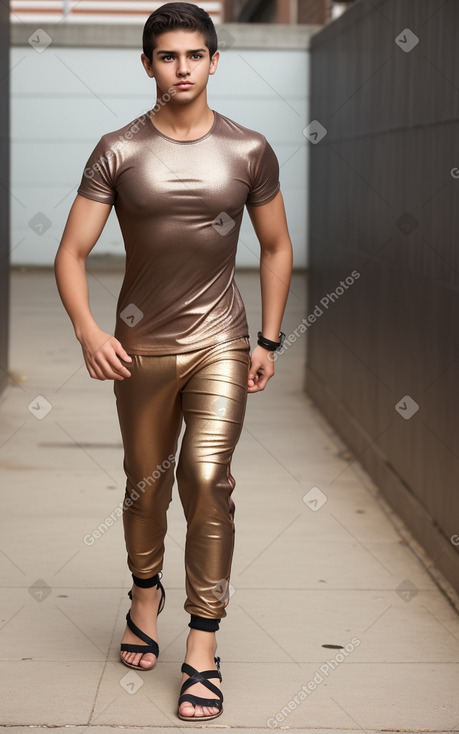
(183, 67)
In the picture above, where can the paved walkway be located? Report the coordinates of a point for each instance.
(335, 623)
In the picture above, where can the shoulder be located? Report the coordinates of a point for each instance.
(126, 133)
(236, 131)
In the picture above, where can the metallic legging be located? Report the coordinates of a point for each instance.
(208, 389)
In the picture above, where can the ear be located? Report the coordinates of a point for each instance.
(147, 65)
(214, 62)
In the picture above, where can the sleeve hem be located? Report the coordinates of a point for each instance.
(266, 199)
(94, 198)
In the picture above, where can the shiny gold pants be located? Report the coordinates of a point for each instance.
(208, 389)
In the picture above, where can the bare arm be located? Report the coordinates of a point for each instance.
(276, 259)
(101, 351)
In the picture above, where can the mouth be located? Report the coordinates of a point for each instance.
(184, 85)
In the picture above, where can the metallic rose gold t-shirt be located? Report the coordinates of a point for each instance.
(179, 205)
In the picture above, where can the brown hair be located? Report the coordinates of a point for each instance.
(172, 16)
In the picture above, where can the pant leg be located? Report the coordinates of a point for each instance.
(213, 402)
(149, 411)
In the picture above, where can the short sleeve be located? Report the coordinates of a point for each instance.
(265, 181)
(97, 181)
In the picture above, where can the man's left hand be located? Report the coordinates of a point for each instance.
(261, 369)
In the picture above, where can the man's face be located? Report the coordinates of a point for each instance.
(181, 60)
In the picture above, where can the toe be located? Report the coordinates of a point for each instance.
(142, 661)
(147, 661)
(187, 709)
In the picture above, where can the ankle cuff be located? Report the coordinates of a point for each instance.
(147, 583)
(203, 623)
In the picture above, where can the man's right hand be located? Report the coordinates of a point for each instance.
(103, 354)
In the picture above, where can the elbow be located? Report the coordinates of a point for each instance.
(56, 261)
(67, 253)
(278, 247)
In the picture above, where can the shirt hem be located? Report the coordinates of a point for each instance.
(147, 352)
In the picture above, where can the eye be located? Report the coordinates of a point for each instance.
(167, 56)
(197, 56)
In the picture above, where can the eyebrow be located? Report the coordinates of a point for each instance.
(190, 51)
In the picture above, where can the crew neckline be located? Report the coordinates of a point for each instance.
(185, 142)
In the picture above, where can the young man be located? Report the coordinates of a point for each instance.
(179, 178)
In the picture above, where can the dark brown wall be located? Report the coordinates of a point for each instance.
(4, 190)
(313, 11)
(383, 202)
(250, 11)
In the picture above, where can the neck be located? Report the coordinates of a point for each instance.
(184, 120)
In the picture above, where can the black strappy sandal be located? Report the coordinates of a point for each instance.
(203, 677)
(151, 645)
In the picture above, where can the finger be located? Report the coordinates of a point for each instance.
(116, 364)
(253, 384)
(263, 382)
(252, 380)
(111, 373)
(266, 371)
(110, 365)
(94, 370)
(121, 352)
(254, 370)
(97, 375)
(260, 383)
(102, 370)
(91, 371)
(120, 370)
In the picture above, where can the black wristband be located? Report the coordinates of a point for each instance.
(268, 344)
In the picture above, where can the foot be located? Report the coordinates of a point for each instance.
(144, 613)
(200, 652)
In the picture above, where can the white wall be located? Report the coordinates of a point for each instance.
(65, 98)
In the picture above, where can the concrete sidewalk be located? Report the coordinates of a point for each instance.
(336, 623)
